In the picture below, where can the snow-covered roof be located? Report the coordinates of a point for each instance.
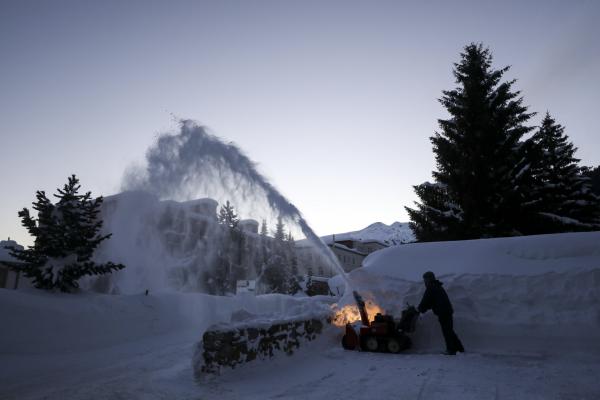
(5, 253)
(347, 249)
(206, 206)
(204, 202)
(131, 195)
(374, 241)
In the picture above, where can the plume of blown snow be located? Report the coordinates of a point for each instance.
(193, 163)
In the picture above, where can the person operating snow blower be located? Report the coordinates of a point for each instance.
(436, 299)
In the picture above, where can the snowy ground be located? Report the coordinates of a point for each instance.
(528, 333)
(337, 374)
(159, 368)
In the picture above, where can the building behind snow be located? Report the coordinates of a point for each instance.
(351, 248)
(349, 252)
(174, 245)
(181, 246)
(9, 278)
(352, 252)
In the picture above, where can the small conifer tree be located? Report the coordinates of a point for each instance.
(263, 228)
(66, 234)
(279, 230)
(289, 238)
(227, 216)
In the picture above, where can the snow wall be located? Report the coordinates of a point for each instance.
(533, 293)
(227, 346)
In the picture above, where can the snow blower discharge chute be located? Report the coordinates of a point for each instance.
(383, 334)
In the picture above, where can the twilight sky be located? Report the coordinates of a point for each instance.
(336, 101)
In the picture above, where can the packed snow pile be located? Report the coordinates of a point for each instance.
(526, 255)
(517, 292)
(396, 233)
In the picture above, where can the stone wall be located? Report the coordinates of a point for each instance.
(225, 346)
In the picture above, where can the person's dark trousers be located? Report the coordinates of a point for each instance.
(453, 343)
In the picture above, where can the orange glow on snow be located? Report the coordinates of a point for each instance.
(349, 313)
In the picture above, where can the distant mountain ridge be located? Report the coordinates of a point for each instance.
(396, 233)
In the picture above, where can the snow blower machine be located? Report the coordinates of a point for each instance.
(383, 334)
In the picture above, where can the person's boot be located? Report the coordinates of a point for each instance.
(449, 353)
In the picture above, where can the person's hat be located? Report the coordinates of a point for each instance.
(429, 276)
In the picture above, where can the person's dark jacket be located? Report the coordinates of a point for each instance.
(436, 299)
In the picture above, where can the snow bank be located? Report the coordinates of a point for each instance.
(88, 345)
(528, 255)
(519, 293)
(74, 323)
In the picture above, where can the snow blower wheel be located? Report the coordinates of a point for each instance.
(370, 343)
(393, 346)
(349, 342)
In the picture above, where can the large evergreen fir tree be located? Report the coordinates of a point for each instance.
(481, 161)
(66, 235)
(562, 197)
(435, 217)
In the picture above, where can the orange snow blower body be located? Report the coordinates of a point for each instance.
(383, 334)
